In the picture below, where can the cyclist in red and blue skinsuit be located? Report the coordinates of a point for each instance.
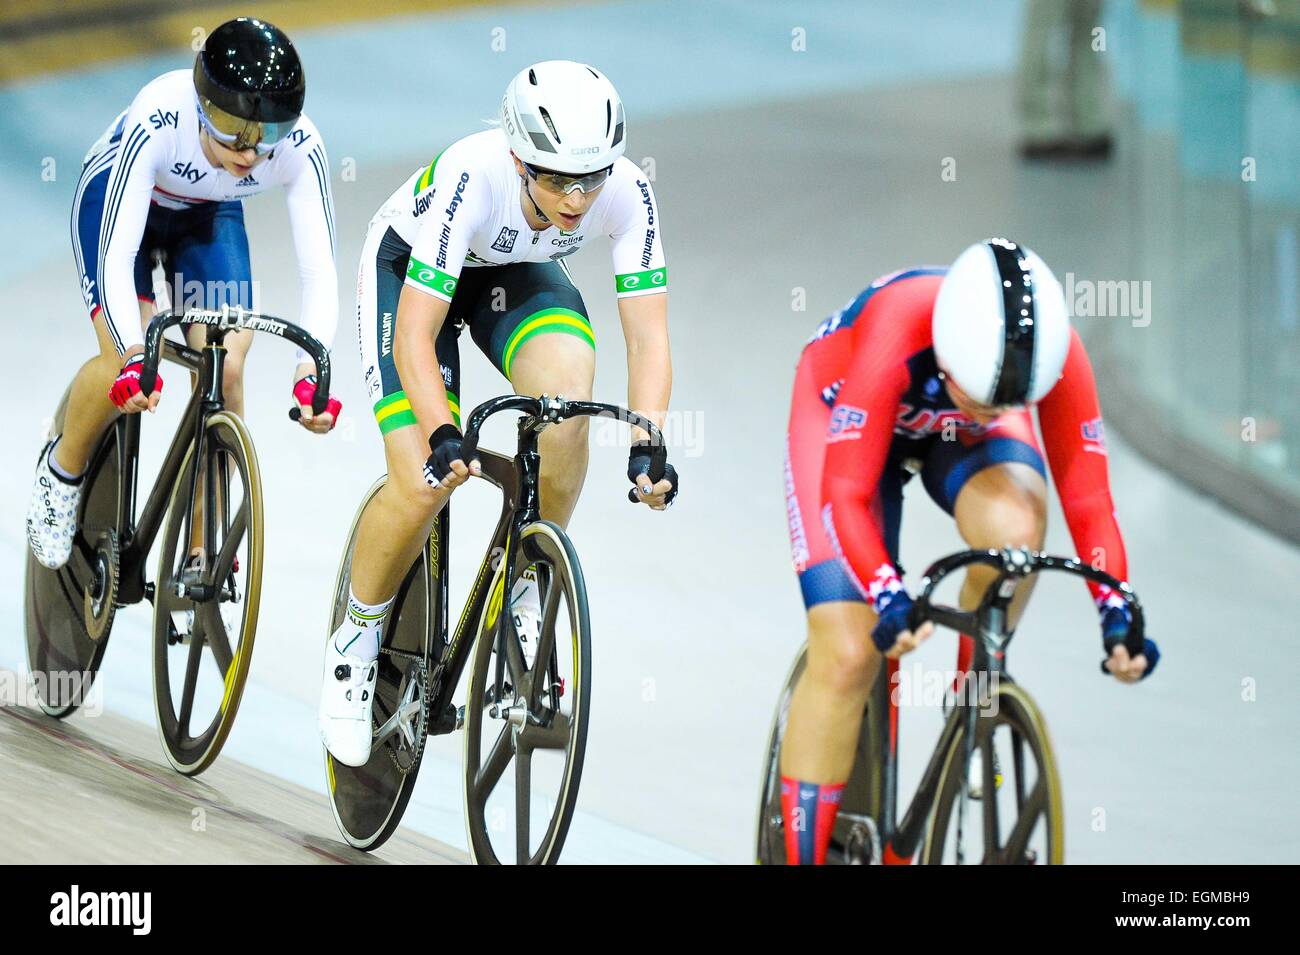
(870, 406)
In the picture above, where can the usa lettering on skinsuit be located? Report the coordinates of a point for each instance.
(75, 907)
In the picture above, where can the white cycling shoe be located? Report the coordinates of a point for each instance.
(52, 516)
(347, 698)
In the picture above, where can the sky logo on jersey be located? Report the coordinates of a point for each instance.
(298, 137)
(187, 172)
(161, 117)
(847, 423)
(506, 240)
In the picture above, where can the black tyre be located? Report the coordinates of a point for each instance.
(69, 612)
(368, 801)
(1018, 818)
(203, 639)
(534, 716)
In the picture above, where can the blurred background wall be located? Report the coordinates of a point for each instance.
(1209, 96)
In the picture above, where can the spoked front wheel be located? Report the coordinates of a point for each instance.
(1004, 807)
(209, 587)
(528, 708)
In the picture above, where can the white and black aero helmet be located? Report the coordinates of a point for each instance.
(1000, 326)
(563, 116)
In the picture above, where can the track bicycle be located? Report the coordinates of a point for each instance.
(207, 501)
(531, 710)
(993, 730)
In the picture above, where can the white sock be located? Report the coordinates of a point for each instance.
(53, 462)
(362, 639)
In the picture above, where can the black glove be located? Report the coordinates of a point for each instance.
(640, 461)
(445, 447)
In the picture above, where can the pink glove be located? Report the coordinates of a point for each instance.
(127, 384)
(305, 390)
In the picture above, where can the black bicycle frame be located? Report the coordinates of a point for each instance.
(208, 398)
(989, 625)
(518, 478)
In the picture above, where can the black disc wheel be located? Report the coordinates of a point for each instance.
(528, 707)
(999, 793)
(208, 590)
(69, 612)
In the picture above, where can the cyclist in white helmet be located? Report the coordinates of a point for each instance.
(476, 240)
(937, 371)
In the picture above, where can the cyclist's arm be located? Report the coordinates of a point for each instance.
(857, 443)
(311, 216)
(419, 319)
(641, 283)
(1070, 418)
(649, 359)
(141, 152)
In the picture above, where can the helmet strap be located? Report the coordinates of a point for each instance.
(529, 193)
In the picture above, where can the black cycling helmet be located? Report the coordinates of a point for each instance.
(249, 69)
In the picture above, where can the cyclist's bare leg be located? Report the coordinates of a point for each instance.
(821, 732)
(397, 521)
(90, 411)
(558, 364)
(1004, 505)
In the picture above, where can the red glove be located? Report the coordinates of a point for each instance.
(127, 384)
(305, 390)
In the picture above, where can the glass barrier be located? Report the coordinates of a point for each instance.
(1209, 95)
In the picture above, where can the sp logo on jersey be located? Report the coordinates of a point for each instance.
(847, 423)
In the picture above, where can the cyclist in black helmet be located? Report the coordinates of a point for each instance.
(165, 183)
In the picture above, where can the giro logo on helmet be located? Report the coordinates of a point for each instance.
(564, 117)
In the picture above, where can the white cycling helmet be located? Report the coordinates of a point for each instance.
(563, 116)
(1000, 326)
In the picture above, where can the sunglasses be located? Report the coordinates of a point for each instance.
(561, 184)
(239, 134)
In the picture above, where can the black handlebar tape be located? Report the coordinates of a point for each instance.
(295, 414)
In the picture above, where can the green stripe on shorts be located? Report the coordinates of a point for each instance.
(395, 411)
(563, 320)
